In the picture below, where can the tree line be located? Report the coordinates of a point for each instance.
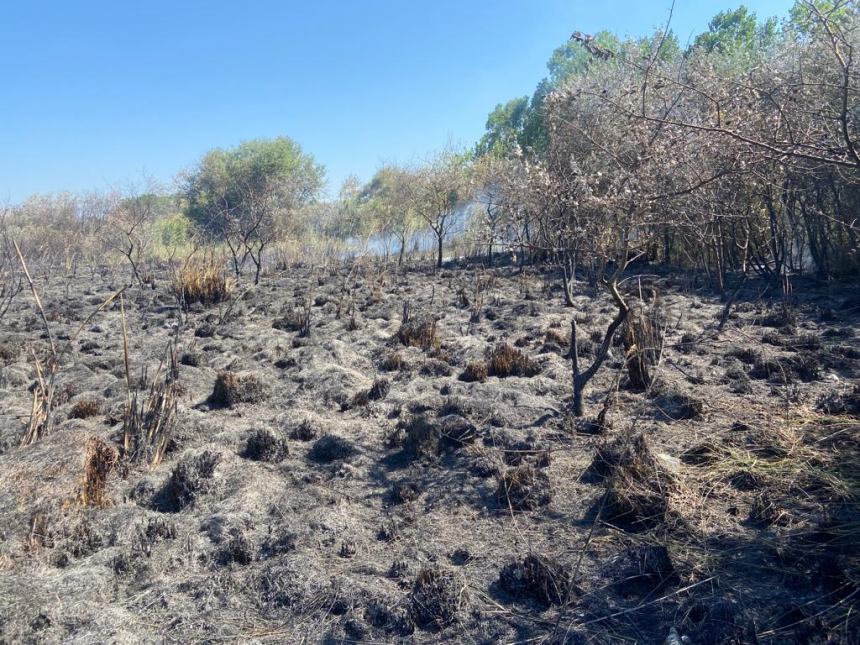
(733, 156)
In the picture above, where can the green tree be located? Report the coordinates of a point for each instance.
(737, 29)
(239, 195)
(389, 199)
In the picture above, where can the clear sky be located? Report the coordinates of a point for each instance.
(92, 94)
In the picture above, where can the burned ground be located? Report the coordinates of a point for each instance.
(366, 478)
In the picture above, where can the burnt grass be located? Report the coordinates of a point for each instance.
(375, 479)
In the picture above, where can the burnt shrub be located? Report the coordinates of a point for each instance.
(633, 504)
(524, 488)
(232, 389)
(419, 332)
(636, 497)
(455, 431)
(239, 548)
(84, 409)
(642, 570)
(437, 597)
(265, 445)
(505, 360)
(190, 478)
(841, 402)
(677, 406)
(330, 447)
(305, 430)
(422, 438)
(538, 578)
(475, 371)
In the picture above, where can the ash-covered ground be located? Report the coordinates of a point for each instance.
(370, 480)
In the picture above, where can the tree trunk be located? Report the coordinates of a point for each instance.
(581, 379)
(439, 252)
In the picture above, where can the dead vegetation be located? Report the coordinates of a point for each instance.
(462, 488)
(202, 282)
(100, 460)
(505, 360)
(232, 389)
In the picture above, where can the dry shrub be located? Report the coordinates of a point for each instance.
(419, 332)
(524, 488)
(437, 596)
(202, 282)
(231, 389)
(84, 409)
(506, 360)
(100, 460)
(538, 578)
(476, 371)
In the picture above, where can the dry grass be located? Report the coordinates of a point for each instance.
(202, 282)
(506, 360)
(148, 422)
(419, 332)
(100, 460)
(84, 409)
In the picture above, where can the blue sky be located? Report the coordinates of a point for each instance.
(93, 94)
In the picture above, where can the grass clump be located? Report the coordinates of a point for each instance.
(231, 389)
(437, 596)
(538, 578)
(100, 460)
(523, 489)
(202, 282)
(265, 445)
(419, 332)
(506, 360)
(84, 409)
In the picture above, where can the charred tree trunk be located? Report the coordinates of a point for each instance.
(581, 379)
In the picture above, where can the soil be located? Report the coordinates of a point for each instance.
(375, 481)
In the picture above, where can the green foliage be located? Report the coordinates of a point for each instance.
(737, 29)
(806, 16)
(172, 231)
(504, 128)
(232, 185)
(572, 58)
